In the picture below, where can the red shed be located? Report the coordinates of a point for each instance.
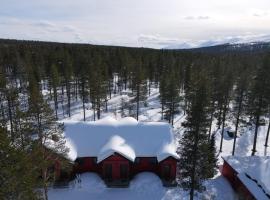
(119, 149)
(249, 176)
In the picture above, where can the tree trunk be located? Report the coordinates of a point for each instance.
(194, 163)
(55, 101)
(76, 89)
(45, 188)
(110, 88)
(98, 109)
(191, 194)
(94, 109)
(172, 113)
(10, 116)
(149, 88)
(62, 102)
(83, 110)
(255, 135)
(138, 102)
(185, 107)
(162, 109)
(3, 111)
(258, 113)
(62, 88)
(219, 117)
(114, 85)
(50, 92)
(68, 97)
(83, 100)
(223, 125)
(106, 104)
(237, 122)
(210, 126)
(267, 135)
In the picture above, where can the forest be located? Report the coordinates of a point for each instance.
(209, 86)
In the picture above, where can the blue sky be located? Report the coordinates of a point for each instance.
(140, 23)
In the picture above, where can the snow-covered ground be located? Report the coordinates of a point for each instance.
(147, 186)
(144, 186)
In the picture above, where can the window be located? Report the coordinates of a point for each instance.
(124, 171)
(153, 161)
(108, 171)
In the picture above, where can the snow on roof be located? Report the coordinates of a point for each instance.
(116, 144)
(126, 136)
(256, 167)
(71, 153)
(252, 187)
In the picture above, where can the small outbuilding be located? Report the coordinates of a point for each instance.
(249, 176)
(119, 149)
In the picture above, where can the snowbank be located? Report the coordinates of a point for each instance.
(126, 136)
(144, 186)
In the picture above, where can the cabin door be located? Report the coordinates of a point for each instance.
(166, 172)
(108, 171)
(124, 171)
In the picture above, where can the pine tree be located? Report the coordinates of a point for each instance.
(240, 98)
(211, 169)
(98, 87)
(196, 162)
(169, 96)
(139, 88)
(224, 103)
(2, 96)
(55, 79)
(48, 132)
(18, 178)
(258, 97)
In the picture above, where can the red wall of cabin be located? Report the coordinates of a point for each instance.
(244, 192)
(231, 175)
(145, 165)
(115, 160)
(168, 161)
(88, 165)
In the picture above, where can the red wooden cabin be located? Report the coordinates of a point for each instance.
(248, 177)
(118, 150)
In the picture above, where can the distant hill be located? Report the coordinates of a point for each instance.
(241, 47)
(252, 47)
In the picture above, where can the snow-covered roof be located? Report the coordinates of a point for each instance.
(126, 136)
(253, 171)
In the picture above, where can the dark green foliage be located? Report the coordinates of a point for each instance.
(138, 87)
(197, 153)
(259, 100)
(18, 177)
(169, 95)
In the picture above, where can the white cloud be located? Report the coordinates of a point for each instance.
(148, 23)
(203, 17)
(197, 17)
